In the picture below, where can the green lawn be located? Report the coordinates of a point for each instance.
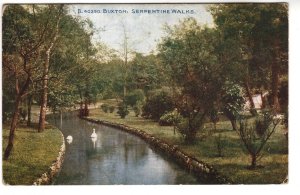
(234, 162)
(32, 155)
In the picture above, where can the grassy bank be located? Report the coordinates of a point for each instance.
(32, 154)
(234, 161)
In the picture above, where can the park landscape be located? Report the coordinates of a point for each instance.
(215, 91)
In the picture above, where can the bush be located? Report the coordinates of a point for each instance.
(157, 104)
(233, 101)
(134, 97)
(137, 108)
(166, 119)
(122, 110)
(188, 127)
(170, 118)
(255, 135)
(104, 107)
(111, 109)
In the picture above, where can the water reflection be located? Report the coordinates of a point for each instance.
(94, 139)
(113, 157)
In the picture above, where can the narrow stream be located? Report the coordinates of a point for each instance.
(115, 157)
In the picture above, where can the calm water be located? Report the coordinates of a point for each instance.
(116, 157)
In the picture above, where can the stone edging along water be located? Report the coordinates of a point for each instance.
(201, 170)
(47, 177)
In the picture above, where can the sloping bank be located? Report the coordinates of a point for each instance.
(47, 177)
(200, 169)
(32, 155)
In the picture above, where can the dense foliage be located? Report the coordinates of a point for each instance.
(157, 103)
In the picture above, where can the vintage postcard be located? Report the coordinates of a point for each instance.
(145, 93)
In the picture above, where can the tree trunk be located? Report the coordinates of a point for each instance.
(86, 108)
(81, 110)
(14, 122)
(42, 118)
(13, 128)
(29, 104)
(275, 87)
(253, 161)
(124, 91)
(125, 48)
(248, 92)
(43, 108)
(233, 123)
(190, 137)
(275, 76)
(215, 126)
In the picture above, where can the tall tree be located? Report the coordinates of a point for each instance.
(125, 54)
(189, 53)
(259, 35)
(72, 67)
(21, 46)
(145, 72)
(54, 12)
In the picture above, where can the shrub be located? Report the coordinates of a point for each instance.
(166, 119)
(111, 109)
(137, 108)
(170, 118)
(157, 104)
(122, 110)
(254, 136)
(233, 101)
(134, 97)
(189, 126)
(104, 107)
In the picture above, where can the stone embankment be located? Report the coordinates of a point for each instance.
(48, 176)
(203, 171)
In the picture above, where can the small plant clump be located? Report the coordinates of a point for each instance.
(170, 118)
(111, 109)
(137, 108)
(105, 107)
(122, 110)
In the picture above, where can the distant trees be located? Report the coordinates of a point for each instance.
(146, 73)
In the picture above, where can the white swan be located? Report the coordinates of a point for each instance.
(69, 139)
(94, 135)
